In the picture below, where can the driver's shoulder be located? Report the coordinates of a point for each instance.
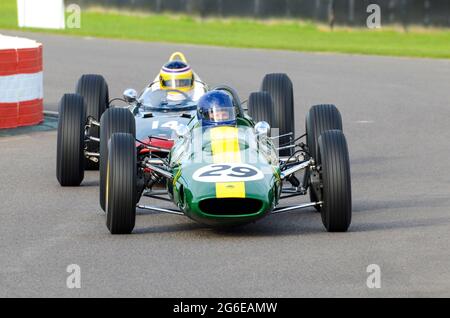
(155, 86)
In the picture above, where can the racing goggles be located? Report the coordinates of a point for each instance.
(220, 114)
(177, 83)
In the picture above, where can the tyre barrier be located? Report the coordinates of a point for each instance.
(21, 82)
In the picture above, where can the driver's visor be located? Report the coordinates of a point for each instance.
(220, 114)
(177, 83)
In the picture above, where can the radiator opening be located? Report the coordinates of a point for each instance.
(230, 206)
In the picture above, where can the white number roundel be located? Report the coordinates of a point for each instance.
(227, 172)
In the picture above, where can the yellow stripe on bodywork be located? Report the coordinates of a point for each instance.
(177, 176)
(225, 145)
(225, 149)
(230, 189)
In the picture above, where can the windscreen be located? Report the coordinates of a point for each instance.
(165, 99)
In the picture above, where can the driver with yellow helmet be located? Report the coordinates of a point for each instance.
(178, 75)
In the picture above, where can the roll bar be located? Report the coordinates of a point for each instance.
(236, 101)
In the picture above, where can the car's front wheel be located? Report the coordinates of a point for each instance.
(70, 140)
(336, 191)
(114, 120)
(121, 184)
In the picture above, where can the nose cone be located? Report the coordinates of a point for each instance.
(230, 202)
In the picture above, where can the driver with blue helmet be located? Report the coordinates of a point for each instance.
(216, 108)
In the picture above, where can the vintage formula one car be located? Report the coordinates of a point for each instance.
(227, 175)
(83, 138)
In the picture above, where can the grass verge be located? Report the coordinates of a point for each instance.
(284, 35)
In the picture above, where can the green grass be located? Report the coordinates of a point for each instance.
(290, 35)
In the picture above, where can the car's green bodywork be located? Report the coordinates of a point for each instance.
(229, 197)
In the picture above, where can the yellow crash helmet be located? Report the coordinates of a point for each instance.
(177, 74)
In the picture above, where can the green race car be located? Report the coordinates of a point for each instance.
(237, 174)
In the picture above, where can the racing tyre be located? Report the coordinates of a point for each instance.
(70, 140)
(260, 107)
(114, 120)
(279, 86)
(121, 184)
(319, 119)
(94, 89)
(336, 209)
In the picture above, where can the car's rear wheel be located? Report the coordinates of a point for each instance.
(336, 190)
(114, 120)
(260, 107)
(279, 86)
(319, 119)
(121, 184)
(95, 91)
(70, 140)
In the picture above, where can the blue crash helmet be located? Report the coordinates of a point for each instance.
(216, 108)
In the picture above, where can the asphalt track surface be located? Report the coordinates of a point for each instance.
(396, 115)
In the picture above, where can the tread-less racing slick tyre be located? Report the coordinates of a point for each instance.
(70, 140)
(121, 184)
(336, 193)
(279, 86)
(260, 107)
(95, 91)
(114, 120)
(319, 119)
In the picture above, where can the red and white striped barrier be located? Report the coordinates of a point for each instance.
(21, 82)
